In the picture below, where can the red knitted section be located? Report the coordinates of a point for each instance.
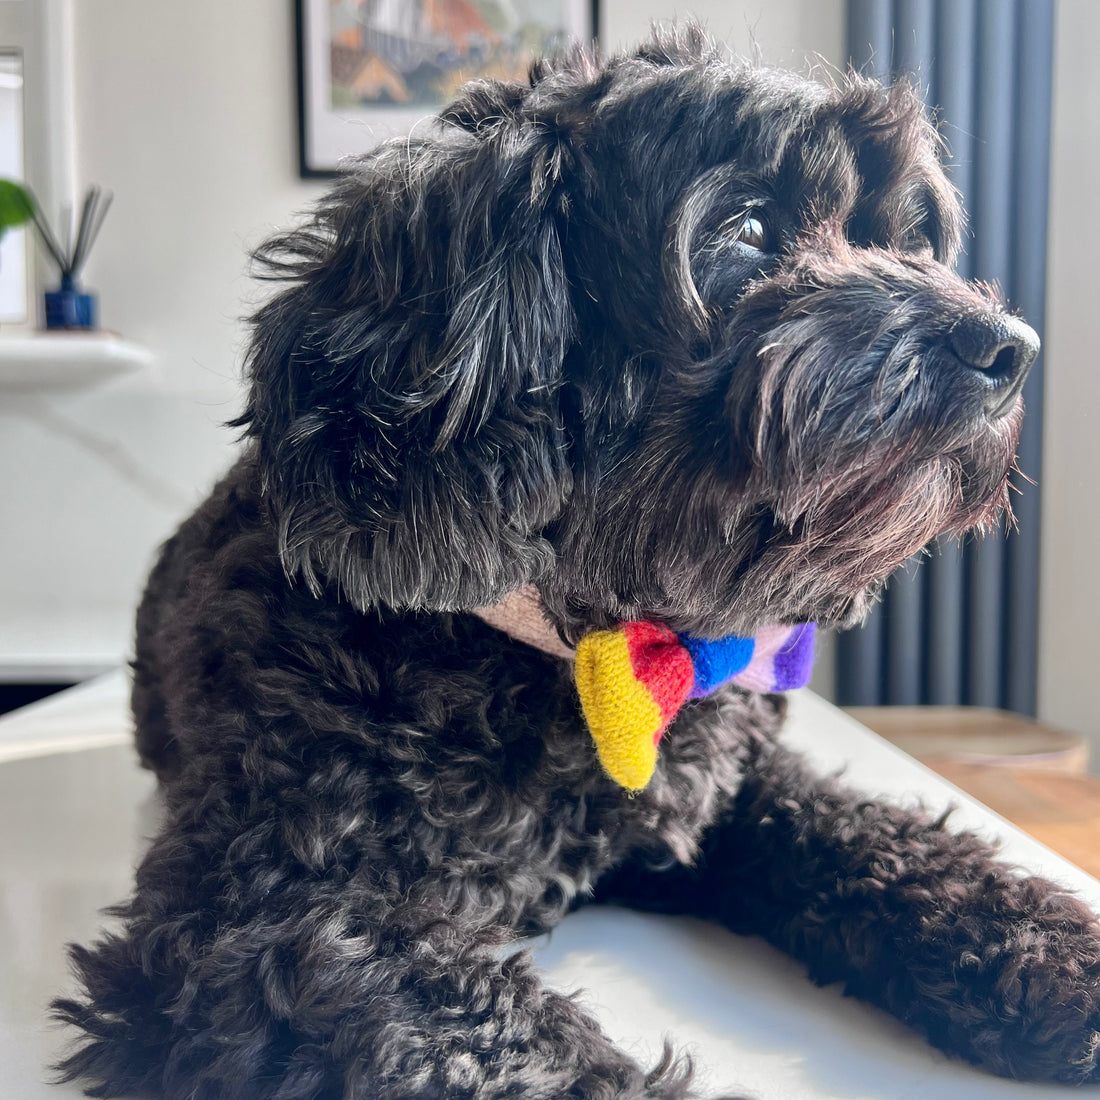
(661, 664)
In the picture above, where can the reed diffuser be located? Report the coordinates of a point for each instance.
(68, 307)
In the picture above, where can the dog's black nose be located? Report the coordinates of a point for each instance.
(1002, 349)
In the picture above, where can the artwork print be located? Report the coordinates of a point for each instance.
(373, 69)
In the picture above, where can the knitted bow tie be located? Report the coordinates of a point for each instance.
(633, 680)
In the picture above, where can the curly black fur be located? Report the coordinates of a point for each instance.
(535, 347)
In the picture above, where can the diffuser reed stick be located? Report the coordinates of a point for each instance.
(71, 252)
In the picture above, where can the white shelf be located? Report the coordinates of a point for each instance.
(62, 361)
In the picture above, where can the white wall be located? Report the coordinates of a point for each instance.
(791, 33)
(186, 110)
(1069, 682)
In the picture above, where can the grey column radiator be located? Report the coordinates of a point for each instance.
(960, 625)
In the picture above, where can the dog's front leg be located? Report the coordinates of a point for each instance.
(320, 987)
(996, 967)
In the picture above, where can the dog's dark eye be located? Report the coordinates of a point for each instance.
(754, 232)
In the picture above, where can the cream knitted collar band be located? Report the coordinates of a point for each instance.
(521, 616)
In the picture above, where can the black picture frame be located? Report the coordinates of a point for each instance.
(325, 135)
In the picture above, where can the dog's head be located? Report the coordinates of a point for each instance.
(672, 338)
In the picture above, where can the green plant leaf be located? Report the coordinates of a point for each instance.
(16, 204)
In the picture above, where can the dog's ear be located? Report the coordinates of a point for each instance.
(404, 388)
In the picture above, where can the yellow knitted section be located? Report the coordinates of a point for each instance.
(622, 716)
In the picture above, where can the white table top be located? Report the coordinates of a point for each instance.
(74, 806)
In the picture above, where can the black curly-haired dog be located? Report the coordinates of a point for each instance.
(673, 340)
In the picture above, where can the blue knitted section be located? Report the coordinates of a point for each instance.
(716, 662)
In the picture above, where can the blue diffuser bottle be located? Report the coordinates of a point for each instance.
(67, 307)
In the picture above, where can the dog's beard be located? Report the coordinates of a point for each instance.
(835, 539)
(711, 559)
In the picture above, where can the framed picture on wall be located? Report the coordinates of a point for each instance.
(372, 69)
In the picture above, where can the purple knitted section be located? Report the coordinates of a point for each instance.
(794, 662)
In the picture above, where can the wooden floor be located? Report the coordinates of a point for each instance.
(1029, 773)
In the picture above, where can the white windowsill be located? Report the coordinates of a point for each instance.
(61, 361)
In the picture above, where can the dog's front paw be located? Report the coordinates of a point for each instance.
(1025, 1000)
(1043, 1052)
